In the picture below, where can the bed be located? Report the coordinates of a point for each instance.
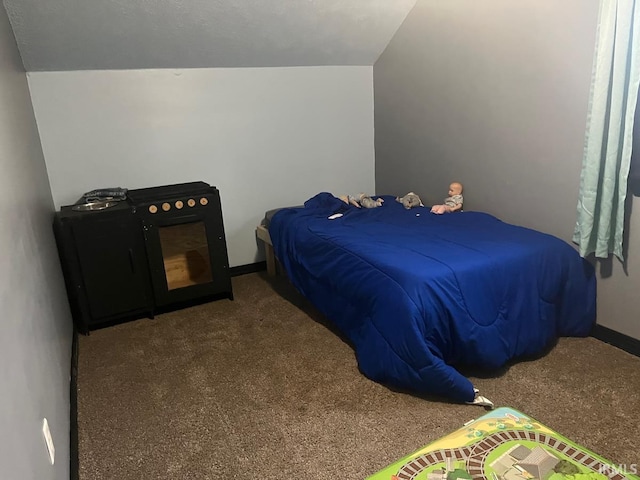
(421, 295)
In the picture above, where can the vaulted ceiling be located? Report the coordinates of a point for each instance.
(133, 34)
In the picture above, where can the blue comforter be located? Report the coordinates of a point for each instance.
(419, 293)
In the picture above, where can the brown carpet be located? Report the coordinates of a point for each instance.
(261, 388)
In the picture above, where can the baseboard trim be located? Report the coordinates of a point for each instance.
(249, 268)
(74, 457)
(617, 339)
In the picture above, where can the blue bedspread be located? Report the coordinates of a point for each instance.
(418, 293)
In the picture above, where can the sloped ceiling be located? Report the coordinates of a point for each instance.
(134, 34)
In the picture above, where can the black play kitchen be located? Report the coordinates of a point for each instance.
(127, 254)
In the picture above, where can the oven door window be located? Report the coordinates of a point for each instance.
(185, 253)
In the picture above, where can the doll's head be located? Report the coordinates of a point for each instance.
(455, 189)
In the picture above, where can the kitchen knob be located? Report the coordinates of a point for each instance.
(153, 208)
(203, 201)
(191, 202)
(166, 207)
(179, 204)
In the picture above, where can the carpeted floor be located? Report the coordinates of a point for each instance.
(261, 388)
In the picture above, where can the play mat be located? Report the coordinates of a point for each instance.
(505, 444)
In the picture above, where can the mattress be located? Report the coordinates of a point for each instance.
(266, 221)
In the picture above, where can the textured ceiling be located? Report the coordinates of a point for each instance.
(132, 34)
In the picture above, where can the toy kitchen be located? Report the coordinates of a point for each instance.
(128, 254)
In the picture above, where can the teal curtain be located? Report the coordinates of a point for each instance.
(609, 138)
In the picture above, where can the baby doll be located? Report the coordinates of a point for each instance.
(410, 200)
(453, 202)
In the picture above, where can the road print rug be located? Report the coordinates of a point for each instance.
(505, 444)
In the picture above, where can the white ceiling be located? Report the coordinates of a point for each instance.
(133, 34)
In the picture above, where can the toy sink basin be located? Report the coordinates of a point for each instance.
(95, 205)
